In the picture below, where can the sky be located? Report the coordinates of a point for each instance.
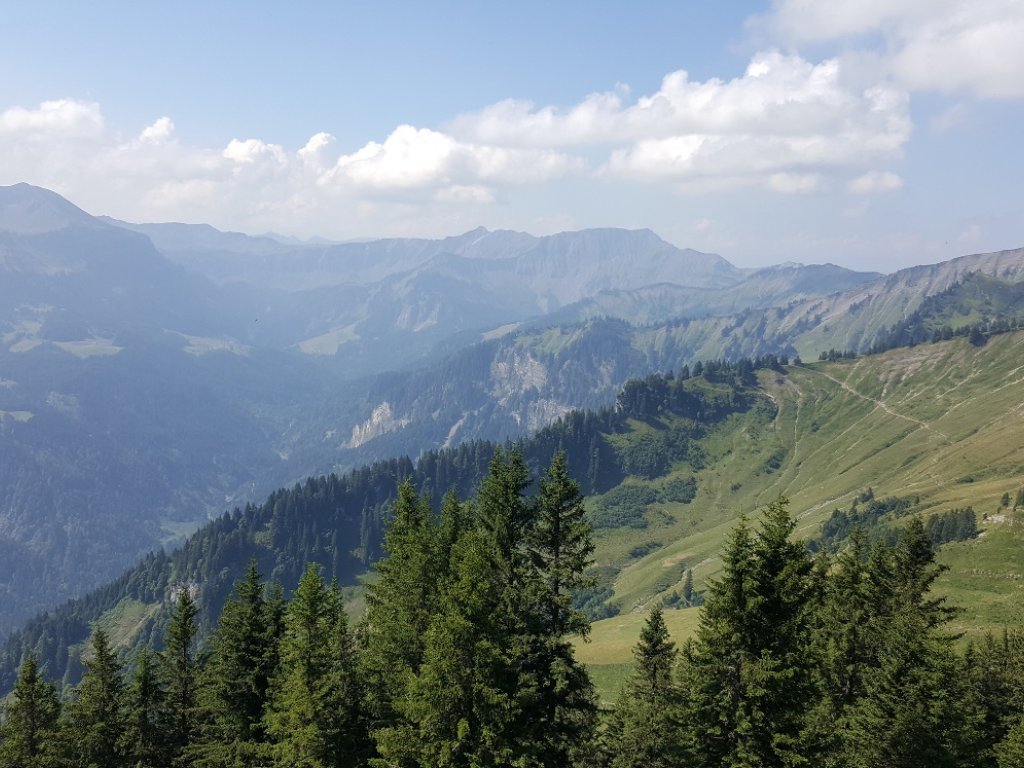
(875, 134)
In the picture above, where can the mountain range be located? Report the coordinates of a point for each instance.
(153, 375)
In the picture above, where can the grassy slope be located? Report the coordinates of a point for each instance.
(938, 421)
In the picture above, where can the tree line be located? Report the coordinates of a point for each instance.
(337, 520)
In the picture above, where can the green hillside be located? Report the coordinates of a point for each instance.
(937, 423)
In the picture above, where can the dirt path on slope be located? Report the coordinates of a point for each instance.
(882, 405)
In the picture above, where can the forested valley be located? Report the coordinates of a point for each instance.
(337, 521)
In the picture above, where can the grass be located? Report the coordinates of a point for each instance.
(329, 343)
(937, 422)
(123, 622)
(608, 653)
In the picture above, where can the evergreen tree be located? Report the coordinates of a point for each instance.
(688, 587)
(28, 730)
(644, 729)
(455, 519)
(556, 697)
(180, 671)
(314, 713)
(989, 669)
(145, 737)
(915, 708)
(1010, 751)
(92, 733)
(236, 678)
(746, 675)
(459, 707)
(398, 606)
(843, 644)
(504, 513)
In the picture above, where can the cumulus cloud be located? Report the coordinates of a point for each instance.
(778, 94)
(782, 115)
(785, 125)
(160, 131)
(419, 157)
(63, 118)
(875, 181)
(936, 45)
(250, 183)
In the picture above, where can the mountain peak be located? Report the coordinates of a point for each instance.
(29, 210)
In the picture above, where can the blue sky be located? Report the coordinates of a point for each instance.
(875, 134)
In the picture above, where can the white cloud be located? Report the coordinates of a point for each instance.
(784, 125)
(252, 184)
(64, 118)
(419, 157)
(875, 181)
(777, 94)
(473, 193)
(783, 115)
(160, 131)
(795, 183)
(935, 45)
(255, 152)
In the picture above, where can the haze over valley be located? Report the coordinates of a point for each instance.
(519, 385)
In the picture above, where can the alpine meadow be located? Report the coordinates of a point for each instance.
(479, 386)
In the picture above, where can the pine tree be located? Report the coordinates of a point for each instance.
(92, 733)
(398, 606)
(1010, 751)
(557, 700)
(459, 707)
(145, 736)
(236, 678)
(843, 643)
(746, 675)
(314, 714)
(180, 672)
(28, 731)
(644, 729)
(916, 708)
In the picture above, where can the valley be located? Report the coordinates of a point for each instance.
(933, 424)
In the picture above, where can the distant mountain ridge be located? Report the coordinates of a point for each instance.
(139, 396)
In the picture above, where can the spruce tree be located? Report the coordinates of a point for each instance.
(843, 642)
(29, 727)
(180, 672)
(145, 735)
(644, 728)
(459, 707)
(1010, 751)
(504, 512)
(746, 675)
(92, 733)
(314, 713)
(236, 677)
(916, 708)
(398, 606)
(557, 700)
